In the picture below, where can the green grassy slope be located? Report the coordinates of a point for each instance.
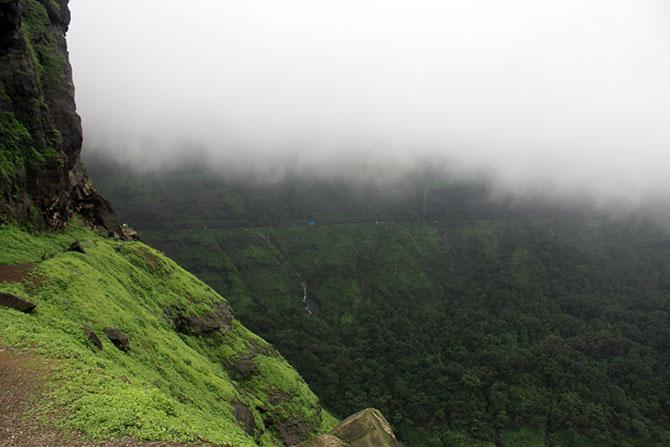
(169, 386)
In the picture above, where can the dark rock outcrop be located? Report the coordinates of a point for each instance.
(367, 428)
(92, 337)
(219, 318)
(294, 431)
(10, 23)
(16, 303)
(325, 441)
(244, 417)
(42, 180)
(118, 338)
(244, 368)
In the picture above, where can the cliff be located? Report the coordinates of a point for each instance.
(42, 181)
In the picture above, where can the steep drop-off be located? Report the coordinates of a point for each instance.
(190, 371)
(42, 180)
(466, 320)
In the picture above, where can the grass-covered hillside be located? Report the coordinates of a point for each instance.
(466, 321)
(192, 371)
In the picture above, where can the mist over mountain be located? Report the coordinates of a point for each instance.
(446, 213)
(469, 318)
(563, 97)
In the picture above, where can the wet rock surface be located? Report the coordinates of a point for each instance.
(294, 431)
(219, 318)
(367, 428)
(16, 303)
(325, 441)
(92, 337)
(118, 338)
(242, 369)
(10, 22)
(244, 417)
(37, 108)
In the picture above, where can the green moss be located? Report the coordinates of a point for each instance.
(14, 140)
(167, 387)
(42, 44)
(17, 149)
(3, 92)
(288, 383)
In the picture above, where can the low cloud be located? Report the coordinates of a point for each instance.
(563, 96)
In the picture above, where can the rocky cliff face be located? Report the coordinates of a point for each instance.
(42, 180)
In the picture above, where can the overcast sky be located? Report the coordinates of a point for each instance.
(569, 93)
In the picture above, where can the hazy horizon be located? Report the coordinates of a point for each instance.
(560, 95)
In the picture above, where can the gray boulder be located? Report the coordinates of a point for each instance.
(367, 428)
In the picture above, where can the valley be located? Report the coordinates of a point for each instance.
(464, 319)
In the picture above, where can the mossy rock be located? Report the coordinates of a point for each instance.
(367, 428)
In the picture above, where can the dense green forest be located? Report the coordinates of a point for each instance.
(466, 320)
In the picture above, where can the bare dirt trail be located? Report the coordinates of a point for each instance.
(15, 273)
(22, 382)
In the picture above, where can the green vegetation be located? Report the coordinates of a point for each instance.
(48, 59)
(169, 386)
(29, 141)
(17, 150)
(477, 323)
(15, 143)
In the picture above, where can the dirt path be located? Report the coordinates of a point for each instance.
(22, 380)
(14, 273)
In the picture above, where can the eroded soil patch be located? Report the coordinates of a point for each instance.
(15, 273)
(23, 378)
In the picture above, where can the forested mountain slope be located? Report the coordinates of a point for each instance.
(465, 319)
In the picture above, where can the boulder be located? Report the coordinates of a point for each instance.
(325, 441)
(119, 338)
(244, 417)
(16, 303)
(88, 332)
(77, 247)
(242, 369)
(129, 233)
(219, 318)
(367, 428)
